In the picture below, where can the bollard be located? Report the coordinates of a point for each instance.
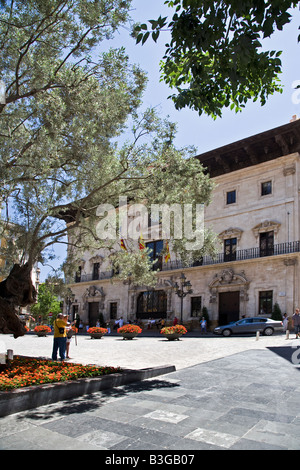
(10, 354)
(287, 334)
(257, 335)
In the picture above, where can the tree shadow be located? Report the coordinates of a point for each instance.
(93, 401)
(289, 353)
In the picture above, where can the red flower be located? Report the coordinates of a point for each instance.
(97, 329)
(129, 329)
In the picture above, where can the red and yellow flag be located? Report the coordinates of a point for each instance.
(123, 246)
(142, 245)
(167, 255)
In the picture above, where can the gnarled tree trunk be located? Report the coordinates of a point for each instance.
(16, 291)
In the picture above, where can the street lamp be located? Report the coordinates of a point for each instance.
(182, 291)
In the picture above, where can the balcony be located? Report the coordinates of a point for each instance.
(239, 255)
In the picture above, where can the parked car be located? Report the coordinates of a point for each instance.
(266, 326)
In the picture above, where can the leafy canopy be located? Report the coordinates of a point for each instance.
(66, 107)
(214, 58)
(47, 302)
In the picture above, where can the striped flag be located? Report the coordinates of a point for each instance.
(123, 246)
(142, 245)
(167, 255)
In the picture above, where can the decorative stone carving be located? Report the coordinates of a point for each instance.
(290, 261)
(232, 232)
(266, 226)
(96, 259)
(94, 291)
(289, 170)
(228, 278)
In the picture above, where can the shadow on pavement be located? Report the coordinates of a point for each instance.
(290, 353)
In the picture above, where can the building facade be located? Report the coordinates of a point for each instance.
(255, 213)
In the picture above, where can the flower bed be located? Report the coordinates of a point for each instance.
(177, 329)
(129, 329)
(42, 330)
(26, 371)
(97, 330)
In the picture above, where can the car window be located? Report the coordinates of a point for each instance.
(245, 321)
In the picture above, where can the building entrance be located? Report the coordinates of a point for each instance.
(152, 304)
(229, 307)
(93, 313)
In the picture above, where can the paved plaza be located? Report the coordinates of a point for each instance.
(226, 393)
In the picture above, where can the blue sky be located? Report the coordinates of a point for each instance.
(203, 132)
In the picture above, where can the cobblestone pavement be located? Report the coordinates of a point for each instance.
(227, 393)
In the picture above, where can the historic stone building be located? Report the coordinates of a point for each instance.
(254, 211)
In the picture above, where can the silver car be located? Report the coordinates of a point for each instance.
(266, 326)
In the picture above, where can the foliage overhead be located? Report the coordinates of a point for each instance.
(66, 107)
(47, 302)
(214, 58)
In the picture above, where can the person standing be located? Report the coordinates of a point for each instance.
(69, 333)
(296, 322)
(203, 325)
(60, 337)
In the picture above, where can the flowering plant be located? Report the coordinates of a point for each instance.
(97, 329)
(26, 371)
(129, 329)
(42, 329)
(178, 329)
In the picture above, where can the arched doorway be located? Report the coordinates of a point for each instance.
(229, 295)
(152, 304)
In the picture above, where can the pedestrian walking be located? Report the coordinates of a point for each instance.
(60, 336)
(296, 322)
(285, 322)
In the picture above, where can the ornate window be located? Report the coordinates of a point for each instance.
(156, 248)
(266, 188)
(266, 243)
(152, 304)
(265, 302)
(196, 306)
(230, 249)
(231, 197)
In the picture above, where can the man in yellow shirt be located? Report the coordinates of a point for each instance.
(60, 337)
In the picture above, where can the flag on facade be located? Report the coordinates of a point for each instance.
(141, 243)
(167, 255)
(123, 246)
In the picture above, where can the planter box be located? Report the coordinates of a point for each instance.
(32, 397)
(129, 335)
(172, 336)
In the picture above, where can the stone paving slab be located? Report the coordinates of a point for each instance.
(245, 401)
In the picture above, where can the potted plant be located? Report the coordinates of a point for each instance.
(173, 332)
(129, 331)
(97, 332)
(42, 330)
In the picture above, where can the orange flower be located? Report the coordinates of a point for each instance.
(25, 371)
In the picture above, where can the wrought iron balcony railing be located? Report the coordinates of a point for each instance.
(239, 255)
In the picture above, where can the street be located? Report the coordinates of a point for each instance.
(232, 393)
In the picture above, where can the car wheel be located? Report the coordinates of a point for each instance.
(268, 331)
(226, 332)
